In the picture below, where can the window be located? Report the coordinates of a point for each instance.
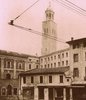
(15, 91)
(32, 79)
(29, 66)
(49, 15)
(30, 59)
(67, 80)
(41, 60)
(9, 90)
(75, 72)
(75, 57)
(20, 65)
(51, 65)
(62, 63)
(62, 55)
(58, 63)
(45, 59)
(41, 79)
(54, 64)
(48, 65)
(50, 79)
(41, 93)
(51, 58)
(59, 56)
(54, 57)
(8, 76)
(66, 62)
(24, 79)
(3, 91)
(8, 64)
(36, 66)
(61, 78)
(48, 59)
(45, 66)
(37, 60)
(66, 54)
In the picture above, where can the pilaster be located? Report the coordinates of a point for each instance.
(71, 96)
(64, 93)
(2, 68)
(36, 93)
(46, 94)
(14, 69)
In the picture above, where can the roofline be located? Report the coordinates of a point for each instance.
(55, 52)
(15, 54)
(75, 40)
(38, 73)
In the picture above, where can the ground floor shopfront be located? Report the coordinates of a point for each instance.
(79, 93)
(48, 93)
(55, 93)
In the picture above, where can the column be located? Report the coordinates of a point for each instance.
(54, 94)
(46, 94)
(26, 65)
(36, 93)
(64, 93)
(14, 69)
(71, 96)
(2, 68)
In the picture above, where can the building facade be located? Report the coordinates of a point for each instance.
(55, 59)
(56, 75)
(78, 67)
(65, 82)
(11, 65)
(46, 84)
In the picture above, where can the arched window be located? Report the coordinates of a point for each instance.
(8, 76)
(8, 64)
(50, 15)
(3, 91)
(9, 90)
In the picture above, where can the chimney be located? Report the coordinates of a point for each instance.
(72, 38)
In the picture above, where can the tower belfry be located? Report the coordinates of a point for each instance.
(49, 30)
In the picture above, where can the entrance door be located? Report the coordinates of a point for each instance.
(50, 93)
(59, 94)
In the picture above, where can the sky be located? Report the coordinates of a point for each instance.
(69, 24)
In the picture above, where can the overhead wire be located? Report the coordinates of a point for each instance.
(26, 9)
(76, 5)
(65, 3)
(31, 30)
(72, 7)
(38, 33)
(83, 11)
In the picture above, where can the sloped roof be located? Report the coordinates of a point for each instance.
(76, 41)
(58, 70)
(15, 54)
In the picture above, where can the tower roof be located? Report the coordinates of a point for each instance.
(49, 8)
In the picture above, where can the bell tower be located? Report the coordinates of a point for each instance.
(49, 30)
